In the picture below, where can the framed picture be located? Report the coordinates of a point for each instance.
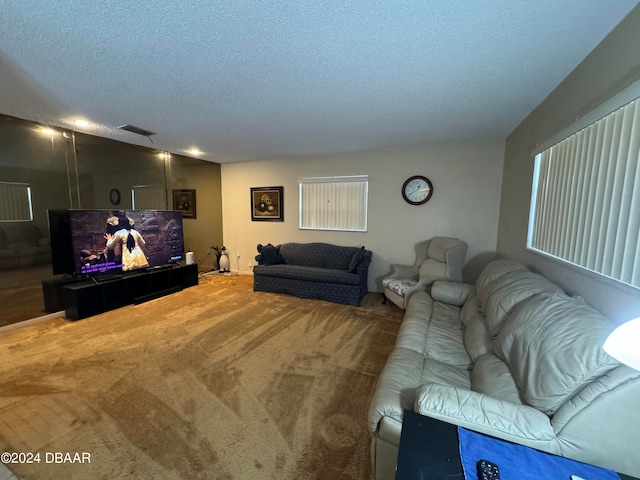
(185, 201)
(267, 204)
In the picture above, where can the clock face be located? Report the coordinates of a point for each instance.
(417, 190)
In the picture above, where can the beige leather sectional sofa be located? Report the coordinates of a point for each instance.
(513, 357)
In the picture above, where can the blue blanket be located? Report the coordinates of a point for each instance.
(522, 463)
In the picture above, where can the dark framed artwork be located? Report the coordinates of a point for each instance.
(185, 201)
(267, 204)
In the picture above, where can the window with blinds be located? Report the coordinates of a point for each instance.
(334, 203)
(585, 206)
(15, 202)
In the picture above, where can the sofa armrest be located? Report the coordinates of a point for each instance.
(396, 388)
(509, 421)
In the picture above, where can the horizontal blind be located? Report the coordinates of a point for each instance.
(334, 203)
(15, 202)
(586, 199)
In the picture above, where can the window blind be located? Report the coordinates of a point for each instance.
(585, 205)
(334, 203)
(15, 202)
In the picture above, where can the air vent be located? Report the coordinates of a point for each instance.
(138, 130)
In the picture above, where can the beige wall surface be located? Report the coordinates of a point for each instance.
(613, 65)
(466, 179)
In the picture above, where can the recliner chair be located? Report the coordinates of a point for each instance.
(440, 258)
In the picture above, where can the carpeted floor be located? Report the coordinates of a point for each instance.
(214, 382)
(21, 293)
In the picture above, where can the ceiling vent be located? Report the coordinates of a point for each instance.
(138, 130)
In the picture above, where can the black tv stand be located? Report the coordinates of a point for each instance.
(84, 298)
(107, 278)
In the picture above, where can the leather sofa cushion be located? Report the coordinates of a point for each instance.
(510, 289)
(414, 330)
(490, 273)
(477, 341)
(453, 293)
(492, 377)
(553, 345)
(310, 274)
(444, 342)
(440, 373)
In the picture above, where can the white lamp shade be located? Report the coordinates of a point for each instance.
(624, 343)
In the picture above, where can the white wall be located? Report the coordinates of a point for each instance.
(613, 65)
(466, 179)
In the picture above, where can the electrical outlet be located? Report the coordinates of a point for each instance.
(238, 255)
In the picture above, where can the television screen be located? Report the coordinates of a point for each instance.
(124, 240)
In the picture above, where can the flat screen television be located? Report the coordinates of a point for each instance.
(92, 242)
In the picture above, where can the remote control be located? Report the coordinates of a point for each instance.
(488, 470)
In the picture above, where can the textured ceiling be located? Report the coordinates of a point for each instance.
(250, 79)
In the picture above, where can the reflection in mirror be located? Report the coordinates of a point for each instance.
(66, 170)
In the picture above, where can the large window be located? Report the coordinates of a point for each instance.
(15, 202)
(585, 206)
(334, 203)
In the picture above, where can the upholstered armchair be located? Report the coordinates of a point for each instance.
(440, 258)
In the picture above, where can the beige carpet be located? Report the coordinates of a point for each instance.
(214, 382)
(21, 293)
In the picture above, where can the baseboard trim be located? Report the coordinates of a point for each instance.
(31, 321)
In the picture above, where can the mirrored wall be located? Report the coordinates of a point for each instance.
(64, 169)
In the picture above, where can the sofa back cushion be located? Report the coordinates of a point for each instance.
(491, 376)
(476, 337)
(320, 255)
(553, 346)
(507, 291)
(492, 272)
(21, 234)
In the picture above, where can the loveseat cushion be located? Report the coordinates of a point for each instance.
(310, 274)
(553, 345)
(510, 289)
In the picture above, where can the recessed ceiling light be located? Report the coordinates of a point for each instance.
(195, 151)
(47, 131)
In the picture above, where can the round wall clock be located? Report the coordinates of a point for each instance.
(114, 196)
(417, 190)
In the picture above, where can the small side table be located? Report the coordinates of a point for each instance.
(429, 449)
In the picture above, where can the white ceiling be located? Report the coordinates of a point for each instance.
(258, 79)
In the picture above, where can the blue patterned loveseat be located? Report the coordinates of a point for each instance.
(313, 270)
